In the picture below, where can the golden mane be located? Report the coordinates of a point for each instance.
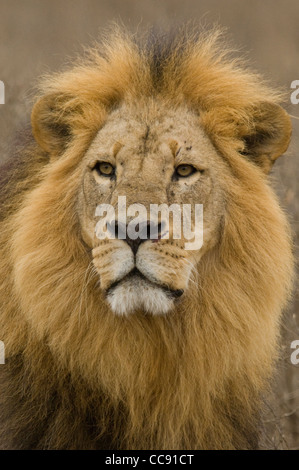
(79, 377)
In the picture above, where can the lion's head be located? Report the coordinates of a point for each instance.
(141, 145)
(179, 341)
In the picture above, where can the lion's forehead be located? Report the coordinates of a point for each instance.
(149, 132)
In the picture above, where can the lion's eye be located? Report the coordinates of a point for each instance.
(105, 169)
(184, 170)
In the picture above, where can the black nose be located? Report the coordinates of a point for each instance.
(134, 236)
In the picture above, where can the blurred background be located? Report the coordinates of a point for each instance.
(38, 36)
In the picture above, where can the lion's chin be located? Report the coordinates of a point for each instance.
(135, 293)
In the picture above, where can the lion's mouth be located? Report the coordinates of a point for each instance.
(136, 275)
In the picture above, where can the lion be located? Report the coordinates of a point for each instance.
(121, 343)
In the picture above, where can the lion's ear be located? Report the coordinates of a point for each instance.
(50, 123)
(269, 136)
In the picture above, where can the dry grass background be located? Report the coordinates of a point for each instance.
(40, 35)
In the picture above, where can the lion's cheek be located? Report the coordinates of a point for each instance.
(112, 265)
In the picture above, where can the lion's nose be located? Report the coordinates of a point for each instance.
(134, 235)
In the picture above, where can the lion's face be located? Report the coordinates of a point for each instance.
(151, 156)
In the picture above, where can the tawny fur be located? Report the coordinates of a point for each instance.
(77, 376)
